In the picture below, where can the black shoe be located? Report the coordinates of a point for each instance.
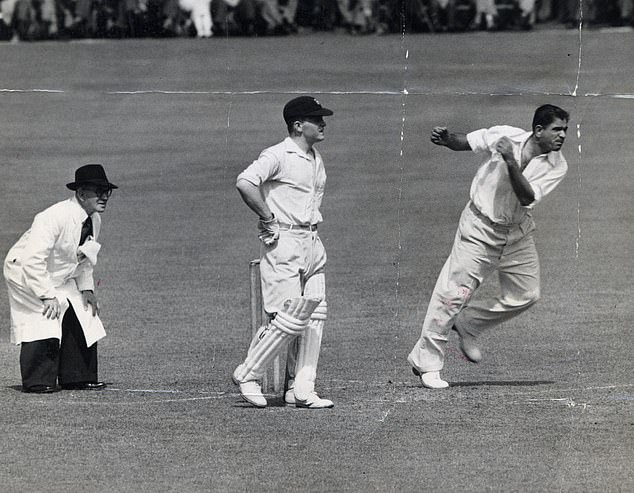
(84, 386)
(40, 389)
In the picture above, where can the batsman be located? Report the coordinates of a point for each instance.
(285, 187)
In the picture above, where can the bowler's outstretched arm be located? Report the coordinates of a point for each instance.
(454, 141)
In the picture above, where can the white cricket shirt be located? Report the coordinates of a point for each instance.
(491, 189)
(291, 181)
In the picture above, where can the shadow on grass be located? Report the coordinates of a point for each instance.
(272, 401)
(502, 383)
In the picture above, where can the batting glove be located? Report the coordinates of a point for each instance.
(269, 230)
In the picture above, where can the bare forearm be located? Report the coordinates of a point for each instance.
(521, 187)
(454, 141)
(457, 142)
(252, 196)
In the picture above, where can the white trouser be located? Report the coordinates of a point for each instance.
(288, 264)
(479, 249)
(201, 17)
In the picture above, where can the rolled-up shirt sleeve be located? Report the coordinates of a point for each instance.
(484, 140)
(477, 140)
(261, 170)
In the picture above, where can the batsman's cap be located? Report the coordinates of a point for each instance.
(304, 106)
(91, 174)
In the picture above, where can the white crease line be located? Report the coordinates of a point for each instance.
(615, 96)
(161, 391)
(187, 399)
(234, 93)
(32, 90)
(155, 391)
(405, 91)
(158, 401)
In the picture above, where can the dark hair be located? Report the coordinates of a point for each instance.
(546, 114)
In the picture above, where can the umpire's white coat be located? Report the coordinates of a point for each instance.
(46, 263)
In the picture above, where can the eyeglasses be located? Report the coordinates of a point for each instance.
(101, 192)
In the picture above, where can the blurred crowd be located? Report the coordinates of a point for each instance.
(30, 20)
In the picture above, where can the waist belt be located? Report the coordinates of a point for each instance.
(486, 219)
(302, 227)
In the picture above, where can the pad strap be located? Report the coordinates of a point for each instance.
(321, 312)
(290, 325)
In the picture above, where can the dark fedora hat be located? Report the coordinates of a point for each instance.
(303, 106)
(91, 174)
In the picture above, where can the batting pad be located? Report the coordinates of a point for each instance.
(289, 322)
(259, 335)
(308, 353)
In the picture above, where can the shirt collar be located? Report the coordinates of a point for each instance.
(291, 146)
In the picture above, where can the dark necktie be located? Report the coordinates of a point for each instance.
(86, 230)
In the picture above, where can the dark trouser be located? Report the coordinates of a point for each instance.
(43, 362)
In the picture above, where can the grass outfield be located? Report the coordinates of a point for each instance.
(174, 122)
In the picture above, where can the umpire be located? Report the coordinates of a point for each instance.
(49, 275)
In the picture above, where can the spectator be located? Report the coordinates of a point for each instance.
(59, 19)
(200, 12)
(486, 12)
(7, 7)
(233, 16)
(288, 11)
(175, 23)
(250, 17)
(356, 16)
(626, 12)
(569, 13)
(23, 21)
